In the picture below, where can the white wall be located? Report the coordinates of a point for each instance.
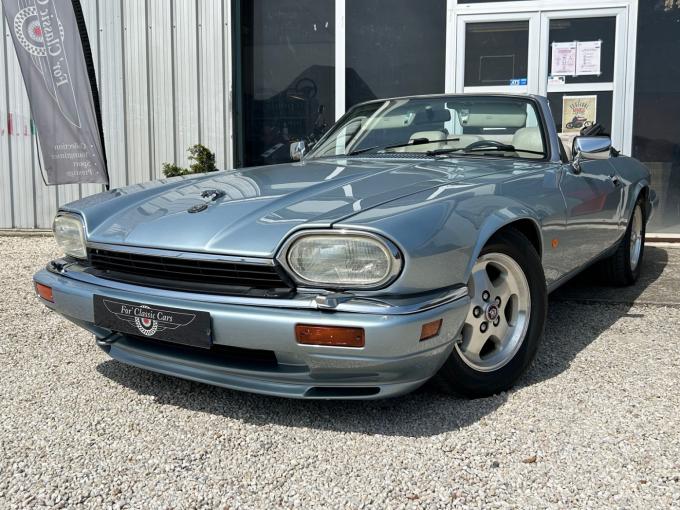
(163, 69)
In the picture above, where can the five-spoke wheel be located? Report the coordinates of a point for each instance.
(500, 308)
(506, 314)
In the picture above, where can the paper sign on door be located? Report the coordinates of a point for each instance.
(564, 59)
(576, 58)
(588, 57)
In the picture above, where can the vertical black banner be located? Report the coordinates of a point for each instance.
(54, 56)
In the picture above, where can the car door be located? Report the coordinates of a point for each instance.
(593, 198)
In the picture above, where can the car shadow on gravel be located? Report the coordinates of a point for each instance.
(577, 315)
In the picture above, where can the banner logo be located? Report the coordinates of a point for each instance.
(40, 32)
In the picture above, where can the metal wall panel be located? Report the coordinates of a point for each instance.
(6, 217)
(91, 13)
(187, 107)
(161, 74)
(136, 91)
(211, 77)
(112, 89)
(163, 68)
(20, 140)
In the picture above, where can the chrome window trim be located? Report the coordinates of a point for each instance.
(396, 260)
(184, 255)
(312, 300)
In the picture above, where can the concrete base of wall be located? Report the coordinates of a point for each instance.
(18, 232)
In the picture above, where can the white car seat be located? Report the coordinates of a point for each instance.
(440, 136)
(530, 139)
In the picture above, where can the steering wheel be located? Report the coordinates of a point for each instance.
(307, 87)
(484, 143)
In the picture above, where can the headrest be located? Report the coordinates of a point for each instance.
(528, 139)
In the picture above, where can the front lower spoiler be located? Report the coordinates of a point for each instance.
(394, 360)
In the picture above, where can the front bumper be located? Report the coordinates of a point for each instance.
(392, 362)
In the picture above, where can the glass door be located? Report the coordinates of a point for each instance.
(583, 71)
(575, 57)
(497, 53)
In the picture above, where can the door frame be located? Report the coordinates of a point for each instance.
(626, 38)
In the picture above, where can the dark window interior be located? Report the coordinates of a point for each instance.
(287, 75)
(496, 52)
(656, 129)
(394, 48)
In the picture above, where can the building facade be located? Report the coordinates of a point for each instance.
(245, 77)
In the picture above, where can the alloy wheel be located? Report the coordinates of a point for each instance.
(499, 313)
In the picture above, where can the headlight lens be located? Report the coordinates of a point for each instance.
(347, 260)
(69, 233)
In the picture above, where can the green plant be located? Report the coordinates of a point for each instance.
(203, 161)
(172, 170)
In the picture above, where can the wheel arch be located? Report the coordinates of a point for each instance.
(643, 192)
(525, 224)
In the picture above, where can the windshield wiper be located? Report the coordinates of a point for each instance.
(415, 141)
(361, 151)
(490, 147)
(420, 141)
(503, 147)
(438, 152)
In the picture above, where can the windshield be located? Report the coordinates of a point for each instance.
(438, 127)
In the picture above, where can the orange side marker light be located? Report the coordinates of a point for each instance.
(44, 292)
(335, 336)
(430, 330)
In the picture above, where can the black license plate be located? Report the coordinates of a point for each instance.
(176, 325)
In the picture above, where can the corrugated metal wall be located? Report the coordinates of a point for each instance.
(163, 68)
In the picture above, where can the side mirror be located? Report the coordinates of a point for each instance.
(589, 148)
(297, 150)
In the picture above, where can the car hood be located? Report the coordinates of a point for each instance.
(262, 205)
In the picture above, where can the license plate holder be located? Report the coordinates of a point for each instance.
(174, 325)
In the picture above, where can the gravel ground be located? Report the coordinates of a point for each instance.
(594, 423)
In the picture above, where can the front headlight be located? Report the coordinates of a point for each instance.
(342, 260)
(69, 233)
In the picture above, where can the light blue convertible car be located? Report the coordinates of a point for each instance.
(418, 238)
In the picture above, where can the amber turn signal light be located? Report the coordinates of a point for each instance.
(326, 335)
(430, 330)
(44, 292)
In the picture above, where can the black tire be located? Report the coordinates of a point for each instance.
(617, 270)
(456, 376)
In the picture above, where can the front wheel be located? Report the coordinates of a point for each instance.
(505, 320)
